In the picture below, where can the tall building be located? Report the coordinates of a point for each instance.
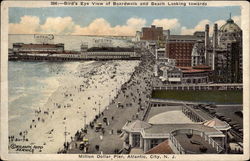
(138, 36)
(152, 33)
(198, 54)
(224, 52)
(179, 47)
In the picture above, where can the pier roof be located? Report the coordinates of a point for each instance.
(216, 123)
(184, 37)
(25, 46)
(162, 148)
(136, 126)
(195, 69)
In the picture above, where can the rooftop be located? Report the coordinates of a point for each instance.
(216, 123)
(201, 67)
(136, 126)
(230, 26)
(25, 46)
(162, 148)
(184, 37)
(195, 69)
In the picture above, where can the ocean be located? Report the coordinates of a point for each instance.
(30, 85)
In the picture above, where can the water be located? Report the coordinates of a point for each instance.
(42, 85)
(30, 85)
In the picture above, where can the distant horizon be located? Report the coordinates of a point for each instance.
(116, 21)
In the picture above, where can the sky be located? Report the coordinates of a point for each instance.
(119, 21)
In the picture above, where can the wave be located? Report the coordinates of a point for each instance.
(16, 97)
(12, 117)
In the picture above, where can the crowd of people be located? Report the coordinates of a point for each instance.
(134, 93)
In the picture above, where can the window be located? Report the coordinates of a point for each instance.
(153, 143)
(136, 140)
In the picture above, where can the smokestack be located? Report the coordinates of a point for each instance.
(206, 44)
(215, 36)
(207, 35)
(215, 44)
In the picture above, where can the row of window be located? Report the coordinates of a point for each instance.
(181, 47)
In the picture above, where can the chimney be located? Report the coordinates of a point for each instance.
(215, 36)
(207, 35)
(206, 44)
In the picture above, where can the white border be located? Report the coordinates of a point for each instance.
(4, 89)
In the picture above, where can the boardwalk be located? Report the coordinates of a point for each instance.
(131, 100)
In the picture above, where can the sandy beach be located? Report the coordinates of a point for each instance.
(85, 89)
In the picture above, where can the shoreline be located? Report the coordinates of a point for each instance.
(69, 117)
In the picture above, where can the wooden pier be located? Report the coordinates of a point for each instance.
(66, 58)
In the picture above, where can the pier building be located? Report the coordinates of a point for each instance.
(21, 48)
(193, 133)
(103, 53)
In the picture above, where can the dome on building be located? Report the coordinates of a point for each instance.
(230, 26)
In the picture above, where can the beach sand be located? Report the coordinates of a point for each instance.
(88, 87)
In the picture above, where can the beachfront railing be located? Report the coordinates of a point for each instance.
(176, 144)
(208, 139)
(213, 143)
(192, 113)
